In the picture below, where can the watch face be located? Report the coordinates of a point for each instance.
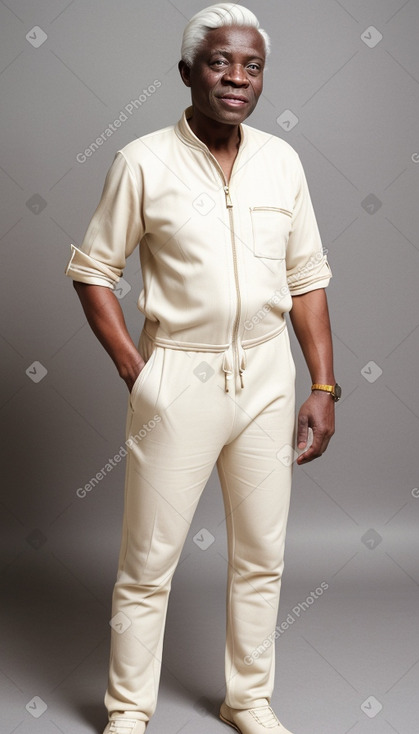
(338, 392)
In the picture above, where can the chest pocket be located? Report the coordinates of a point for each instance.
(271, 227)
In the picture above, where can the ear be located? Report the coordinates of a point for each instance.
(185, 72)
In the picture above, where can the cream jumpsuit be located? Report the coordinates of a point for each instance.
(220, 264)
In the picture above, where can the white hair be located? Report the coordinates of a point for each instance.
(216, 16)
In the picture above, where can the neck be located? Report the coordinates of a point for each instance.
(217, 136)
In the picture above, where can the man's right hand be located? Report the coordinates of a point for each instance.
(106, 319)
(136, 371)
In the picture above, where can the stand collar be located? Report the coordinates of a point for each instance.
(184, 132)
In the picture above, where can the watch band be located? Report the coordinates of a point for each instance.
(324, 388)
(334, 390)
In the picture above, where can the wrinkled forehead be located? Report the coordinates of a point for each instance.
(243, 40)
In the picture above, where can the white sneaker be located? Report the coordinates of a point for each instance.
(125, 726)
(261, 720)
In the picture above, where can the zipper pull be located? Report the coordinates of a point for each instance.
(229, 203)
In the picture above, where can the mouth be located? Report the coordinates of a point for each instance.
(234, 100)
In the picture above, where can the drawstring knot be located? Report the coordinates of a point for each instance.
(228, 365)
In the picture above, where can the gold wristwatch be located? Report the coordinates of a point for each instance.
(335, 391)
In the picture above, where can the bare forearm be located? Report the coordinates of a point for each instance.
(106, 319)
(311, 323)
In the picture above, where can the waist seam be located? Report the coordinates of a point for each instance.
(199, 347)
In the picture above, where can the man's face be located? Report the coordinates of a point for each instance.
(226, 78)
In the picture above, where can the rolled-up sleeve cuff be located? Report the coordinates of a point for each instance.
(309, 278)
(86, 269)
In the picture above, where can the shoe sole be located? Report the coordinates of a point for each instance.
(230, 723)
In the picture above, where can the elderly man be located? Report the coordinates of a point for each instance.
(228, 244)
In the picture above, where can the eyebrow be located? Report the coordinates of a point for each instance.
(226, 52)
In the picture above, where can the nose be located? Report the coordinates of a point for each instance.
(236, 74)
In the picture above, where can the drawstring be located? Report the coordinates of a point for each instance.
(228, 365)
(242, 363)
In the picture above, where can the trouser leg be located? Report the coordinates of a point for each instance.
(256, 488)
(166, 472)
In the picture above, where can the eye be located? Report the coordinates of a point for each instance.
(254, 67)
(218, 62)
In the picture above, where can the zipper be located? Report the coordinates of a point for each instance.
(235, 332)
(229, 203)
(229, 207)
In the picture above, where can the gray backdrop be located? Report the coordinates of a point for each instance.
(342, 88)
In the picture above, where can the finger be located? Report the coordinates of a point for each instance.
(318, 447)
(302, 434)
(308, 455)
(314, 451)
